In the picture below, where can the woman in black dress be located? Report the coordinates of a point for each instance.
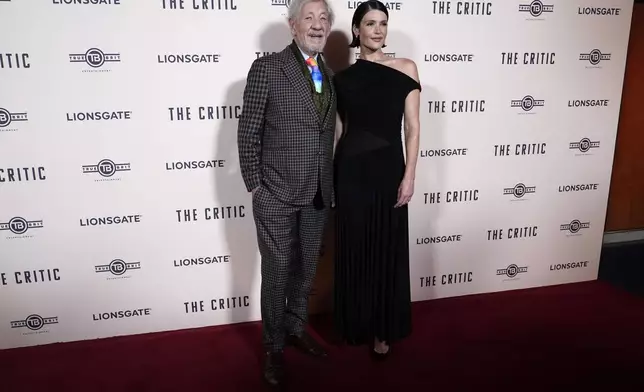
(373, 185)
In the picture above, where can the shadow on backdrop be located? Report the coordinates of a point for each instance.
(337, 52)
(338, 57)
(241, 238)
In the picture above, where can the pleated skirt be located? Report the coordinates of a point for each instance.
(372, 296)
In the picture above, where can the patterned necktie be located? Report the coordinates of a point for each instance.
(315, 73)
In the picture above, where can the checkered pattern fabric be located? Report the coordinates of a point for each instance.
(289, 241)
(282, 139)
(285, 147)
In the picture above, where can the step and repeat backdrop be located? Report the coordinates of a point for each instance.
(122, 208)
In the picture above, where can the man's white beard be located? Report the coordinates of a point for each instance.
(316, 49)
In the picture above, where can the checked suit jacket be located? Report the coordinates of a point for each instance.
(284, 144)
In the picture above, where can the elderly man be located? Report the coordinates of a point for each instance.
(285, 140)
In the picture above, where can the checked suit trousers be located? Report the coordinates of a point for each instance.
(289, 239)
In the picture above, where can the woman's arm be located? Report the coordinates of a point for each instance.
(412, 123)
(412, 135)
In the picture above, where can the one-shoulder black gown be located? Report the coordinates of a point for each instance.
(372, 283)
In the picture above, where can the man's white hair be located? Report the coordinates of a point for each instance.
(295, 8)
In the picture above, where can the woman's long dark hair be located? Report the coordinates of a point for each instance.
(360, 12)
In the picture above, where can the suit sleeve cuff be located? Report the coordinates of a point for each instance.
(253, 183)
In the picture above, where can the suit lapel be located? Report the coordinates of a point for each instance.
(294, 73)
(328, 76)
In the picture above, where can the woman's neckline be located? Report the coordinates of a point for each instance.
(386, 66)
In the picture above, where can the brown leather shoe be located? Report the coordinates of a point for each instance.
(307, 344)
(274, 368)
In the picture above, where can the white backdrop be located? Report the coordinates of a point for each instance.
(122, 209)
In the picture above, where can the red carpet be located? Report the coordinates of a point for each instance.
(547, 339)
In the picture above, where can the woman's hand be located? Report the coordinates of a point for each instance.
(405, 192)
